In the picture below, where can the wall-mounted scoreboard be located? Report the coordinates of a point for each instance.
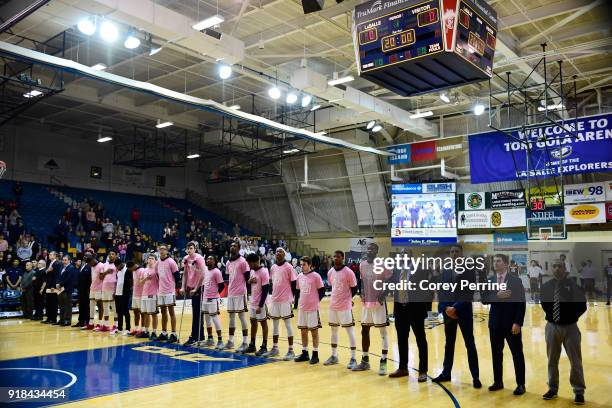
(413, 47)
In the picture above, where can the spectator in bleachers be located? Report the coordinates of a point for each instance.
(13, 275)
(27, 291)
(90, 218)
(24, 248)
(60, 234)
(107, 226)
(188, 216)
(17, 190)
(135, 217)
(15, 231)
(3, 259)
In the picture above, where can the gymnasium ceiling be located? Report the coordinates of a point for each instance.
(277, 36)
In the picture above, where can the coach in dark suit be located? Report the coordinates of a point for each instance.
(505, 321)
(66, 281)
(410, 310)
(83, 285)
(53, 270)
(457, 310)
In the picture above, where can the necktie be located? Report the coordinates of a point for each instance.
(500, 279)
(557, 304)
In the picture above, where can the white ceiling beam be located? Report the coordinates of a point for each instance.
(572, 33)
(541, 13)
(595, 84)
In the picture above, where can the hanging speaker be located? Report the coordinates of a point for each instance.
(310, 6)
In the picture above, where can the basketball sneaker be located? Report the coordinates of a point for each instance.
(172, 338)
(289, 356)
(250, 349)
(362, 366)
(97, 328)
(262, 350)
(331, 361)
(382, 369)
(88, 327)
(229, 345)
(315, 357)
(210, 342)
(302, 357)
(242, 348)
(113, 331)
(105, 329)
(272, 353)
(352, 364)
(153, 337)
(220, 345)
(163, 337)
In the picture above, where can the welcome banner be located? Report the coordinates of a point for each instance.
(581, 146)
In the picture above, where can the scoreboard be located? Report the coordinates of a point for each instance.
(415, 46)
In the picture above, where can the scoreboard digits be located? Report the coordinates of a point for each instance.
(396, 41)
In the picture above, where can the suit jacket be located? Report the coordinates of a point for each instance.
(505, 312)
(419, 301)
(84, 280)
(67, 280)
(460, 299)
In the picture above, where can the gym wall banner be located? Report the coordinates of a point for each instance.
(584, 193)
(608, 186)
(508, 218)
(609, 212)
(423, 151)
(507, 199)
(474, 201)
(550, 194)
(495, 156)
(474, 219)
(585, 213)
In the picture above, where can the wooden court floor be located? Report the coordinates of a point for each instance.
(289, 384)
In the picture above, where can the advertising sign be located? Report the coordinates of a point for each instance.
(474, 201)
(474, 219)
(585, 213)
(584, 193)
(507, 199)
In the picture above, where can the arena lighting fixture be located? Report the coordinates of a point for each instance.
(161, 125)
(235, 107)
(371, 124)
(479, 109)
(550, 107)
(131, 41)
(306, 99)
(154, 51)
(104, 139)
(32, 94)
(291, 98)
(109, 31)
(87, 26)
(225, 71)
(376, 128)
(291, 151)
(99, 66)
(208, 22)
(193, 156)
(337, 81)
(315, 107)
(274, 92)
(421, 115)
(445, 98)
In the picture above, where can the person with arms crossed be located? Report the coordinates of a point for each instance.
(167, 271)
(283, 278)
(344, 287)
(563, 303)
(238, 271)
(50, 294)
(194, 268)
(213, 286)
(260, 284)
(39, 290)
(505, 321)
(310, 290)
(374, 308)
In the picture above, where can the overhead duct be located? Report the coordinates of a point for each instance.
(366, 106)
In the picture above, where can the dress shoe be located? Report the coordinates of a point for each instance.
(519, 390)
(476, 383)
(55, 323)
(496, 387)
(400, 372)
(442, 378)
(77, 325)
(550, 394)
(579, 399)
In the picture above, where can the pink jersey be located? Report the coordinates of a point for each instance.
(150, 287)
(96, 282)
(341, 282)
(212, 279)
(236, 269)
(109, 284)
(262, 277)
(369, 294)
(195, 269)
(165, 270)
(282, 276)
(137, 284)
(309, 285)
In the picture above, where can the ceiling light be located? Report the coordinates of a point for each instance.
(99, 66)
(32, 94)
(209, 22)
(377, 128)
(550, 107)
(131, 41)
(104, 139)
(371, 124)
(338, 81)
(161, 125)
(225, 71)
(306, 99)
(291, 98)
(421, 115)
(445, 98)
(193, 156)
(87, 26)
(479, 109)
(108, 31)
(290, 151)
(315, 107)
(274, 92)
(235, 107)
(154, 51)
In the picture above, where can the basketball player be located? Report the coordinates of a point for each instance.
(136, 296)
(310, 291)
(166, 270)
(148, 301)
(109, 285)
(194, 268)
(95, 293)
(260, 285)
(213, 286)
(344, 287)
(283, 278)
(374, 309)
(238, 270)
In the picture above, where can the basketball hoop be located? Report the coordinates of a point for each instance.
(544, 236)
(2, 168)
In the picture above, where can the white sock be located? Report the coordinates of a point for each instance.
(244, 340)
(164, 332)
(315, 349)
(335, 351)
(173, 333)
(352, 353)
(365, 354)
(231, 338)
(351, 334)
(385, 341)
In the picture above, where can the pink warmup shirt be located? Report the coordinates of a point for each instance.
(236, 269)
(109, 284)
(212, 279)
(368, 277)
(96, 282)
(151, 286)
(137, 285)
(282, 276)
(194, 275)
(165, 270)
(262, 277)
(309, 285)
(341, 282)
